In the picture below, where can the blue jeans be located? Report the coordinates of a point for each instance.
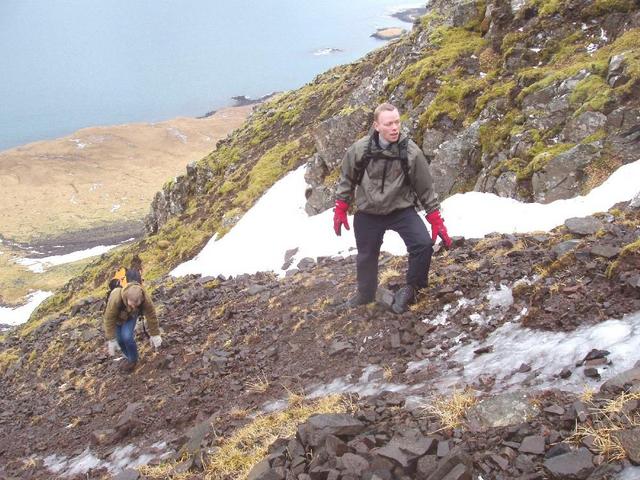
(125, 334)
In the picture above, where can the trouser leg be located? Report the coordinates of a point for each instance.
(415, 236)
(125, 334)
(369, 232)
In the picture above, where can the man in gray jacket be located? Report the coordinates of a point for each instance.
(389, 177)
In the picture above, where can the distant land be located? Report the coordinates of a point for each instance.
(100, 176)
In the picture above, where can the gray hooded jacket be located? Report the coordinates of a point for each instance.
(383, 188)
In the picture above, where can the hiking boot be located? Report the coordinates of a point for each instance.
(128, 367)
(356, 300)
(403, 298)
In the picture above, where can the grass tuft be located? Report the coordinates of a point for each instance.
(450, 411)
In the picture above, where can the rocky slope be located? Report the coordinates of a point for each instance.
(535, 101)
(242, 346)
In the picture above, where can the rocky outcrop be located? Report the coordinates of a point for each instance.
(174, 196)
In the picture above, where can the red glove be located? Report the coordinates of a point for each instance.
(437, 228)
(340, 216)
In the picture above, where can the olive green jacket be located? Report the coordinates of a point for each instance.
(116, 312)
(383, 189)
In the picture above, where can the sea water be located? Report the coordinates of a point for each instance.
(70, 64)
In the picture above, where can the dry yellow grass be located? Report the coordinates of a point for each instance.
(258, 384)
(450, 411)
(237, 454)
(604, 423)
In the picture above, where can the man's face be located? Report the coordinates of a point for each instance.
(388, 125)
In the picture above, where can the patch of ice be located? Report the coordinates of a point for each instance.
(82, 463)
(592, 47)
(115, 207)
(603, 35)
(502, 298)
(535, 50)
(548, 353)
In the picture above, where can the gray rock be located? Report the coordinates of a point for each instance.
(506, 185)
(616, 74)
(426, 465)
(354, 464)
(564, 247)
(338, 347)
(630, 441)
(431, 141)
(620, 382)
(519, 57)
(455, 161)
(503, 410)
(583, 225)
(585, 124)
(306, 263)
(532, 444)
(128, 474)
(315, 430)
(406, 447)
(576, 465)
(606, 251)
(449, 468)
(384, 297)
(563, 175)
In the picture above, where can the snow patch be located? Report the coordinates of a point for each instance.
(19, 315)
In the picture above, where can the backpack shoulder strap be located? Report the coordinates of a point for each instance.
(404, 161)
(361, 166)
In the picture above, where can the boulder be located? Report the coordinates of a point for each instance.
(583, 225)
(315, 430)
(585, 124)
(563, 176)
(503, 410)
(455, 161)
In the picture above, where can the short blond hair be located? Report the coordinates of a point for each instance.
(134, 295)
(383, 107)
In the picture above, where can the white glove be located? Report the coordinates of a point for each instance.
(156, 341)
(111, 347)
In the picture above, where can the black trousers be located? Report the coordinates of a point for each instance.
(369, 231)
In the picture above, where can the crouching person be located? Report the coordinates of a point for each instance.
(124, 306)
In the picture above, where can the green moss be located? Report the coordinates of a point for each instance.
(449, 45)
(600, 134)
(629, 249)
(602, 7)
(269, 168)
(549, 7)
(450, 99)
(511, 39)
(570, 58)
(541, 159)
(7, 358)
(497, 90)
(592, 93)
(494, 135)
(510, 165)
